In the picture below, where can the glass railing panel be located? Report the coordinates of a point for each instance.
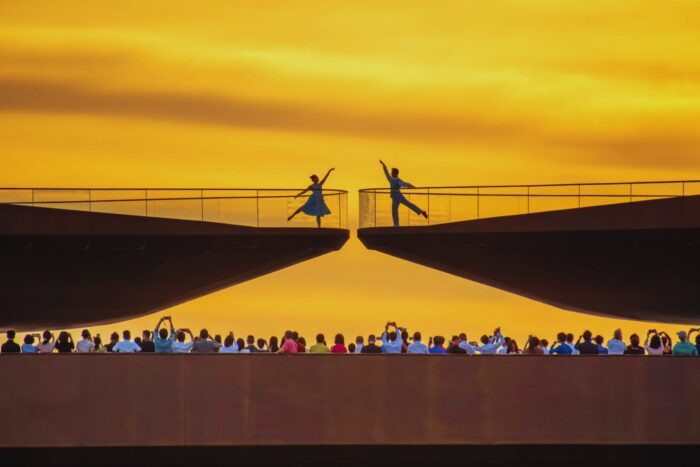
(553, 198)
(651, 191)
(125, 202)
(502, 201)
(420, 198)
(175, 204)
(691, 188)
(604, 194)
(74, 200)
(236, 207)
(15, 195)
(453, 205)
(367, 209)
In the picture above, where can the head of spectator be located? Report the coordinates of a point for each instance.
(114, 338)
(204, 334)
(126, 335)
(512, 347)
(506, 342)
(697, 339)
(599, 339)
(288, 335)
(63, 336)
(634, 340)
(240, 343)
(392, 336)
(404, 335)
(320, 338)
(570, 338)
(146, 335)
(439, 341)
(544, 343)
(533, 342)
(10, 335)
(351, 347)
(85, 334)
(454, 340)
(228, 342)
(180, 335)
(359, 340)
(484, 339)
(163, 333)
(618, 334)
(47, 336)
(371, 339)
(217, 338)
(295, 336)
(137, 339)
(98, 342)
(463, 337)
(417, 336)
(682, 336)
(274, 344)
(262, 344)
(587, 335)
(29, 339)
(655, 341)
(561, 337)
(250, 340)
(340, 339)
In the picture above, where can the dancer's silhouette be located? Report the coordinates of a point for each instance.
(315, 205)
(397, 198)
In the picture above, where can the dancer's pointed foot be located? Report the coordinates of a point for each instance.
(424, 214)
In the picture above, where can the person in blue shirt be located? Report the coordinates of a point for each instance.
(560, 347)
(161, 339)
(392, 341)
(615, 345)
(436, 345)
(28, 346)
(417, 346)
(602, 350)
(397, 198)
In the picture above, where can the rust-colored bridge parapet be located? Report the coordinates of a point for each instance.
(206, 400)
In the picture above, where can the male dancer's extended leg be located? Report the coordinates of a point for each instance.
(412, 207)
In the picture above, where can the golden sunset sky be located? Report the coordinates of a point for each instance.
(262, 94)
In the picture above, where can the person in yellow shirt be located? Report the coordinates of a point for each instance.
(320, 345)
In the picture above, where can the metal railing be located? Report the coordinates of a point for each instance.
(461, 203)
(255, 207)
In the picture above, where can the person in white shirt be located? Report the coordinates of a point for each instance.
(464, 344)
(655, 346)
(359, 343)
(47, 344)
(615, 345)
(417, 346)
(544, 343)
(180, 346)
(570, 343)
(492, 344)
(392, 342)
(126, 345)
(230, 345)
(85, 345)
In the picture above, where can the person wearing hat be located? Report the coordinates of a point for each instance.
(683, 347)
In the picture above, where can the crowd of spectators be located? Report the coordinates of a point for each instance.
(165, 338)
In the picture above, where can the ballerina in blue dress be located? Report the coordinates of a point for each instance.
(315, 205)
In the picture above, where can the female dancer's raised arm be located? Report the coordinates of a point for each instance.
(327, 174)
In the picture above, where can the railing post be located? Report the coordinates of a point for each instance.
(528, 200)
(477, 203)
(429, 206)
(579, 196)
(257, 207)
(145, 196)
(201, 205)
(89, 200)
(375, 208)
(32, 197)
(340, 212)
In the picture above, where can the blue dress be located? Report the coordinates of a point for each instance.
(315, 205)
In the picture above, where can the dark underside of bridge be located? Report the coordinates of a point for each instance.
(64, 268)
(633, 260)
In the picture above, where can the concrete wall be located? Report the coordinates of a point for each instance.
(178, 400)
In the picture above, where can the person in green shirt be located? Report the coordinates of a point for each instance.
(683, 347)
(320, 345)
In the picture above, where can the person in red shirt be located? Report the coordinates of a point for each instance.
(339, 346)
(288, 346)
